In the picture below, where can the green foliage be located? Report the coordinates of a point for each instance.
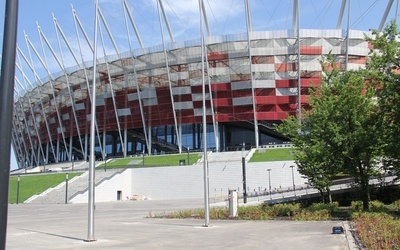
(356, 206)
(285, 209)
(341, 133)
(330, 207)
(318, 215)
(30, 185)
(374, 206)
(378, 207)
(384, 71)
(275, 154)
(159, 160)
(255, 213)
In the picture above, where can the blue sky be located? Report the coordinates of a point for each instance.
(225, 17)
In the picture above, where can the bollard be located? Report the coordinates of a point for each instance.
(233, 203)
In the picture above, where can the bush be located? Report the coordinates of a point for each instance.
(378, 207)
(255, 213)
(356, 206)
(285, 209)
(305, 215)
(331, 207)
(374, 206)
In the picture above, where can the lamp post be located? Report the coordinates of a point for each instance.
(105, 162)
(18, 189)
(244, 175)
(269, 182)
(188, 156)
(143, 158)
(72, 167)
(294, 187)
(66, 188)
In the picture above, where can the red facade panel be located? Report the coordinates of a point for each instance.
(220, 102)
(217, 56)
(311, 50)
(221, 86)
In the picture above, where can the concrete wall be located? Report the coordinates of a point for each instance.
(107, 190)
(188, 181)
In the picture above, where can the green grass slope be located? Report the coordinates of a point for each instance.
(30, 185)
(275, 154)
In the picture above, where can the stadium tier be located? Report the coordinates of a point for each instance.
(150, 100)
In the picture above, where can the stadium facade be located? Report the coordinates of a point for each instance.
(150, 100)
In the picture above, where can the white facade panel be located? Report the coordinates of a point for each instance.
(150, 102)
(259, 84)
(181, 90)
(286, 91)
(183, 105)
(133, 96)
(199, 97)
(355, 66)
(124, 112)
(263, 67)
(240, 101)
(219, 71)
(241, 85)
(179, 76)
(65, 116)
(79, 106)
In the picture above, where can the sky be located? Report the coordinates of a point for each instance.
(224, 16)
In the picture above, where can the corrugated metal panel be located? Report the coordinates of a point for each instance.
(242, 101)
(183, 105)
(241, 85)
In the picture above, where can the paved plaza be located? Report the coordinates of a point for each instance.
(123, 225)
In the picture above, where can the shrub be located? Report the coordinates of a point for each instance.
(331, 207)
(219, 213)
(285, 209)
(305, 215)
(356, 206)
(255, 213)
(374, 206)
(378, 207)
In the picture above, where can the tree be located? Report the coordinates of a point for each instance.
(340, 133)
(383, 69)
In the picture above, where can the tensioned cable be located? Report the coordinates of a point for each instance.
(288, 14)
(273, 13)
(226, 20)
(323, 12)
(173, 11)
(150, 25)
(361, 17)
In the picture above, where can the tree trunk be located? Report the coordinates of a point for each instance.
(322, 195)
(364, 189)
(328, 191)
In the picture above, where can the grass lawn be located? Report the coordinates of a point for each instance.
(273, 154)
(152, 161)
(34, 184)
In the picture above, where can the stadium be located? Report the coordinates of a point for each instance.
(152, 100)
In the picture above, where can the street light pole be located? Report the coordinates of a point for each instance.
(18, 189)
(66, 188)
(188, 155)
(72, 163)
(105, 162)
(294, 187)
(244, 175)
(269, 182)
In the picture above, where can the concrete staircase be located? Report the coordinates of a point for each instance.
(234, 156)
(78, 184)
